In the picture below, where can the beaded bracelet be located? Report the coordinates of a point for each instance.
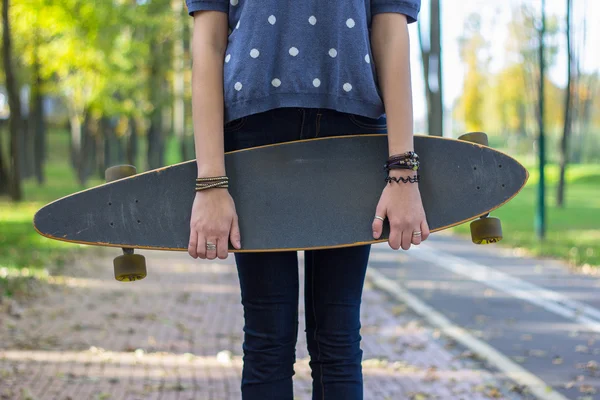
(408, 160)
(220, 182)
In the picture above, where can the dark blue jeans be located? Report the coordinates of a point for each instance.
(269, 282)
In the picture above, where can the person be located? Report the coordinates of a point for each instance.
(274, 71)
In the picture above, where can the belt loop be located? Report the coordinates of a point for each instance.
(318, 123)
(303, 118)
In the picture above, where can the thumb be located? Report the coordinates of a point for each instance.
(234, 234)
(377, 222)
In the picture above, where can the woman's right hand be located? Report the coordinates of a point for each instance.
(214, 219)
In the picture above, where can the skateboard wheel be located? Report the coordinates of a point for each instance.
(119, 172)
(486, 230)
(475, 137)
(130, 267)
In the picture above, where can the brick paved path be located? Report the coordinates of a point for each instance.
(177, 335)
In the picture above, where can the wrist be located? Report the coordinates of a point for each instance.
(210, 170)
(402, 172)
(396, 146)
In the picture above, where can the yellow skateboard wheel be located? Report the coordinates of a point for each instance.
(486, 230)
(119, 172)
(130, 267)
(475, 137)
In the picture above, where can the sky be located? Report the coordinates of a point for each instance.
(496, 15)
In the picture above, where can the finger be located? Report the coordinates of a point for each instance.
(211, 254)
(395, 239)
(193, 243)
(416, 239)
(201, 246)
(424, 230)
(234, 234)
(378, 223)
(406, 238)
(222, 243)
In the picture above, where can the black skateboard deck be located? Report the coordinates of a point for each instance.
(309, 194)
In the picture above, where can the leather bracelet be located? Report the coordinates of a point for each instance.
(408, 160)
(220, 182)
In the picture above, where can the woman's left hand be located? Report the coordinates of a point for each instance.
(401, 204)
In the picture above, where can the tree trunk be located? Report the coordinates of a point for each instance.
(436, 118)
(563, 150)
(178, 79)
(132, 142)
(26, 148)
(14, 103)
(107, 134)
(432, 71)
(37, 120)
(540, 221)
(4, 178)
(79, 145)
(155, 135)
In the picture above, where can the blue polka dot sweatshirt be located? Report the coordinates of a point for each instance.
(309, 53)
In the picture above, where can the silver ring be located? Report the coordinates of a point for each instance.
(378, 217)
(417, 233)
(211, 246)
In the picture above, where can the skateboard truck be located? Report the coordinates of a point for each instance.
(129, 267)
(486, 229)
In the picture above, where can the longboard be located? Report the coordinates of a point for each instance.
(302, 195)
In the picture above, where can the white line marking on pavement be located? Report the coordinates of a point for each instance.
(587, 316)
(513, 371)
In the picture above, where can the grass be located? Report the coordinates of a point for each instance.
(24, 254)
(573, 232)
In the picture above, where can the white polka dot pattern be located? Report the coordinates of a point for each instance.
(298, 57)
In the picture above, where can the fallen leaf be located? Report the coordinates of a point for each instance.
(494, 393)
(557, 360)
(537, 353)
(587, 389)
(592, 365)
(581, 349)
(569, 385)
(418, 396)
(398, 310)
(431, 375)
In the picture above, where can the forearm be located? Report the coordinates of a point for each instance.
(391, 51)
(209, 44)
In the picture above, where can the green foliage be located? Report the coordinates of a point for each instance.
(93, 54)
(473, 46)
